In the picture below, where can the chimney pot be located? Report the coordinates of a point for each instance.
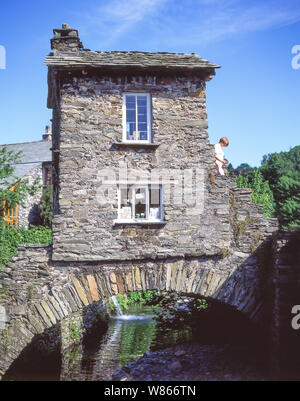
(66, 40)
(47, 135)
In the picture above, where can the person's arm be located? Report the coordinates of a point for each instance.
(222, 161)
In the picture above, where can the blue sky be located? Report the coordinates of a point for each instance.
(253, 99)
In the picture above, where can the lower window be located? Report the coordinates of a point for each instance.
(140, 203)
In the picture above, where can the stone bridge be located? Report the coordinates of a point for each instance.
(37, 293)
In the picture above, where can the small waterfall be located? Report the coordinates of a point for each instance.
(116, 303)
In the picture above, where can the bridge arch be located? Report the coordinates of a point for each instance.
(61, 290)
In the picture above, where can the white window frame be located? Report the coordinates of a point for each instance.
(141, 220)
(149, 133)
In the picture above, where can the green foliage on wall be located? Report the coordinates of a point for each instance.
(261, 191)
(10, 239)
(75, 333)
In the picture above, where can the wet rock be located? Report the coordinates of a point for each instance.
(179, 353)
(175, 366)
(195, 362)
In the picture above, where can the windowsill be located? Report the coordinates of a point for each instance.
(139, 222)
(136, 144)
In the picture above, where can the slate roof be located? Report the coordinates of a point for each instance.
(123, 59)
(33, 155)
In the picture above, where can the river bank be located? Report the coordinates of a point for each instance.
(195, 362)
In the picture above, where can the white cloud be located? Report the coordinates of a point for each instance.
(236, 20)
(172, 23)
(117, 17)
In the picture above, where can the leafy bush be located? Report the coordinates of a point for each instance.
(282, 170)
(142, 297)
(10, 239)
(261, 192)
(47, 206)
(280, 173)
(12, 190)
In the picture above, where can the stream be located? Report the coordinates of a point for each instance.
(128, 337)
(133, 348)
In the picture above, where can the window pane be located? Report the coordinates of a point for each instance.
(126, 203)
(130, 102)
(142, 100)
(130, 116)
(155, 206)
(136, 117)
(130, 129)
(140, 203)
(142, 112)
(143, 135)
(142, 127)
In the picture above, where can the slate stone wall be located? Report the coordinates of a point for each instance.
(89, 117)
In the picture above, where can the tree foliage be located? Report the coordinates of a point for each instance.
(282, 170)
(261, 192)
(10, 239)
(22, 188)
(275, 184)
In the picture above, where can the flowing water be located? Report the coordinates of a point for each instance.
(128, 337)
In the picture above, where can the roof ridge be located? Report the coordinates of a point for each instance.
(21, 143)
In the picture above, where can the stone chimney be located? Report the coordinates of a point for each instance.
(47, 135)
(66, 40)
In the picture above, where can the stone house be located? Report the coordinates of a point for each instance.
(35, 161)
(134, 169)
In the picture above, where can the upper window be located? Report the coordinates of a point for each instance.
(136, 117)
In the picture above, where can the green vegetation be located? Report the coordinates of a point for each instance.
(4, 337)
(201, 304)
(275, 184)
(261, 191)
(30, 292)
(141, 297)
(47, 206)
(75, 334)
(4, 291)
(12, 191)
(10, 239)
(282, 170)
